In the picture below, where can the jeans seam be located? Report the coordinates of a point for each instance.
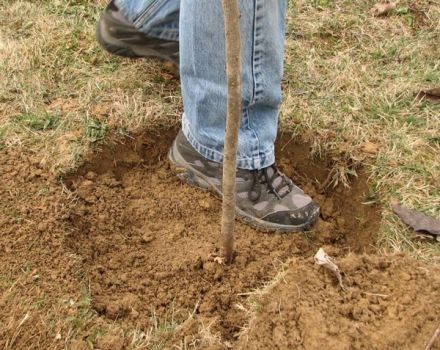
(147, 12)
(247, 121)
(253, 56)
(256, 54)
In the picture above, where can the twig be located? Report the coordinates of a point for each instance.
(233, 70)
(434, 337)
(327, 181)
(376, 294)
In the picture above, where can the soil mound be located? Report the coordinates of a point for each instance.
(390, 304)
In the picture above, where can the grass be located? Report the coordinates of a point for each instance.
(253, 306)
(349, 89)
(51, 65)
(350, 81)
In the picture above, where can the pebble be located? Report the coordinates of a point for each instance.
(42, 227)
(147, 238)
(90, 175)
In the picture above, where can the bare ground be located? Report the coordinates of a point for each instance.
(119, 255)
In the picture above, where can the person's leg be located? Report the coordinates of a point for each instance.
(266, 198)
(203, 78)
(147, 28)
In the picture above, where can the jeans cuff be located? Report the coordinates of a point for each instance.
(264, 159)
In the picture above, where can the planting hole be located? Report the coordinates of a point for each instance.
(146, 237)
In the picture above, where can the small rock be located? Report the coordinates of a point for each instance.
(370, 147)
(90, 199)
(179, 228)
(90, 176)
(42, 227)
(86, 184)
(147, 238)
(205, 204)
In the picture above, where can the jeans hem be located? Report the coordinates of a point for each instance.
(263, 160)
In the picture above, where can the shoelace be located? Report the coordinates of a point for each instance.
(278, 183)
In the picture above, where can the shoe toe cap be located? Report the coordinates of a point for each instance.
(298, 217)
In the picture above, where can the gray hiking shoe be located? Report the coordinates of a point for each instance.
(120, 37)
(266, 199)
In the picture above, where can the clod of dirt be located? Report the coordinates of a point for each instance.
(370, 147)
(431, 94)
(383, 8)
(110, 342)
(146, 238)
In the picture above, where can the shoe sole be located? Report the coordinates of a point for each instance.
(119, 48)
(195, 178)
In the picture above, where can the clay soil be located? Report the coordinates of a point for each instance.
(144, 244)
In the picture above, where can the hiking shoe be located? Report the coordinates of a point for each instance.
(266, 199)
(119, 36)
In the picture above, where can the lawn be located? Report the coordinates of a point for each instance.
(350, 88)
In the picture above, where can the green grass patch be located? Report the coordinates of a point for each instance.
(95, 130)
(38, 121)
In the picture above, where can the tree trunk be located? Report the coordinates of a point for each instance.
(232, 34)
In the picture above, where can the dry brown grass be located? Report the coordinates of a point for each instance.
(350, 88)
(52, 65)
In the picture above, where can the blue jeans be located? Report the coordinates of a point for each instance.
(199, 28)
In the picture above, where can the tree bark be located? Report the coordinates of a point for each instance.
(233, 69)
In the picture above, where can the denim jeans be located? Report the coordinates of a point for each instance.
(198, 26)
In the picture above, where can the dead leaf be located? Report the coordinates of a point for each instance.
(418, 221)
(322, 259)
(370, 147)
(431, 94)
(383, 8)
